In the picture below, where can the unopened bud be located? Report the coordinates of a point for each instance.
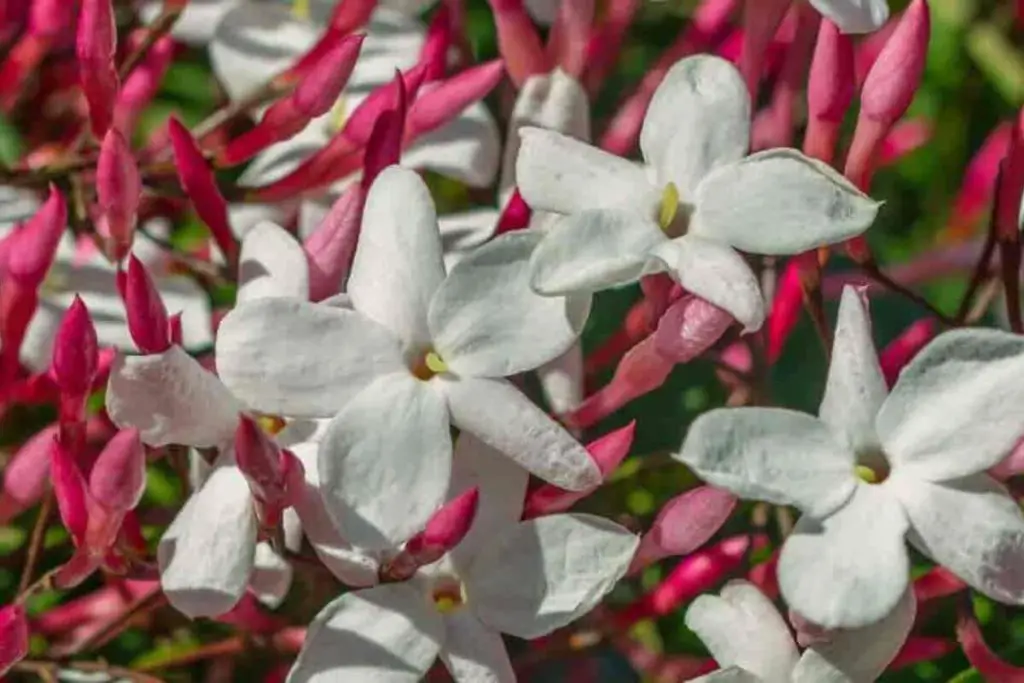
(13, 636)
(95, 47)
(118, 477)
(36, 244)
(901, 350)
(518, 41)
(444, 103)
(118, 189)
(690, 327)
(684, 524)
(144, 309)
(75, 353)
(69, 489)
(329, 250)
(445, 530)
(269, 469)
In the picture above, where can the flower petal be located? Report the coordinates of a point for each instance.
(855, 16)
(771, 454)
(780, 202)
(698, 119)
(385, 634)
(170, 398)
(593, 250)
(499, 415)
(464, 231)
(486, 321)
(972, 527)
(848, 569)
(741, 627)
(955, 409)
(733, 674)
(385, 461)
(271, 576)
(474, 652)
(855, 389)
(545, 573)
(860, 654)
(206, 556)
(467, 149)
(398, 266)
(561, 381)
(558, 173)
(300, 359)
(197, 22)
(271, 264)
(715, 273)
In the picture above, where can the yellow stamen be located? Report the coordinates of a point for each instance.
(446, 604)
(669, 206)
(339, 114)
(435, 363)
(867, 474)
(271, 424)
(300, 9)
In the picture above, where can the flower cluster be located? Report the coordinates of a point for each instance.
(393, 409)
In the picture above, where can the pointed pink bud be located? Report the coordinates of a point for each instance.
(13, 636)
(1011, 465)
(900, 351)
(95, 47)
(118, 477)
(445, 530)
(201, 187)
(907, 136)
(329, 250)
(830, 89)
(442, 104)
(515, 216)
(142, 85)
(37, 241)
(607, 452)
(936, 583)
(26, 475)
(118, 189)
(70, 490)
(980, 656)
(351, 14)
(691, 577)
(438, 43)
(518, 41)
(384, 146)
(690, 327)
(684, 524)
(269, 469)
(321, 87)
(979, 181)
(49, 17)
(1011, 186)
(760, 21)
(921, 649)
(75, 354)
(567, 43)
(785, 311)
(605, 46)
(145, 310)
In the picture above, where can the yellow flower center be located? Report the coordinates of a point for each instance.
(271, 424)
(300, 10)
(429, 364)
(868, 475)
(669, 206)
(449, 597)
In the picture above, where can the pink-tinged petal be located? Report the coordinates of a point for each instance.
(320, 88)
(331, 247)
(118, 189)
(144, 309)
(690, 327)
(518, 41)
(26, 475)
(118, 477)
(901, 350)
(95, 47)
(443, 103)
(684, 524)
(14, 634)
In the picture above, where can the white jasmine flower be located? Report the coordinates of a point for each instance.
(417, 351)
(854, 16)
(521, 578)
(696, 199)
(877, 466)
(752, 643)
(80, 269)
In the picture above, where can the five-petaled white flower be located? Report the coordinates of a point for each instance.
(506, 576)
(417, 351)
(854, 16)
(877, 467)
(697, 198)
(751, 642)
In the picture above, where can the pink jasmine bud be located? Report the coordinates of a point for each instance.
(906, 136)
(1011, 465)
(37, 241)
(26, 475)
(118, 477)
(384, 146)
(980, 656)
(900, 351)
(830, 88)
(118, 189)
(921, 649)
(760, 21)
(607, 452)
(979, 181)
(329, 250)
(201, 186)
(351, 14)
(69, 489)
(690, 327)
(691, 577)
(269, 469)
(144, 309)
(567, 44)
(445, 530)
(75, 356)
(1011, 186)
(13, 636)
(49, 18)
(442, 104)
(322, 86)
(605, 44)
(642, 370)
(174, 327)
(684, 524)
(95, 47)
(142, 85)
(515, 216)
(438, 42)
(518, 41)
(785, 311)
(937, 582)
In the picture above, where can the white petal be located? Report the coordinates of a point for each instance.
(206, 555)
(716, 273)
(397, 266)
(474, 652)
(464, 231)
(858, 654)
(780, 202)
(486, 321)
(698, 119)
(741, 627)
(386, 634)
(196, 24)
(561, 380)
(780, 456)
(593, 250)
(855, 388)
(972, 527)
(271, 264)
(849, 569)
(271, 576)
(385, 461)
(956, 408)
(170, 398)
(407, 6)
(545, 573)
(855, 16)
(554, 101)
(467, 149)
(499, 415)
(558, 173)
(352, 567)
(295, 358)
(502, 485)
(733, 674)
